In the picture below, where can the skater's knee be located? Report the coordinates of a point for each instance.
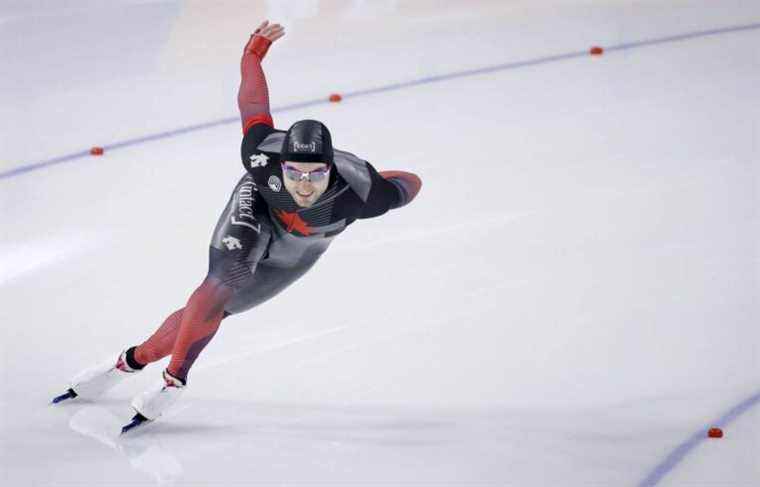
(211, 296)
(213, 284)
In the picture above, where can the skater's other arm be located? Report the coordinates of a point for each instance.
(389, 190)
(253, 95)
(408, 185)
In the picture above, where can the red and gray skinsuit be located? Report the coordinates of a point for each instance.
(264, 241)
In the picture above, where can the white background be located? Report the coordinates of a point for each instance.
(573, 294)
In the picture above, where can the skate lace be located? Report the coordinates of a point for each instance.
(171, 381)
(122, 365)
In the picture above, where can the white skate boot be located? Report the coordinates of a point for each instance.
(92, 382)
(155, 401)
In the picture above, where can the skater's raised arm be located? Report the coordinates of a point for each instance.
(253, 96)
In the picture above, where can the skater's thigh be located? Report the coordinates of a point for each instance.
(287, 259)
(267, 282)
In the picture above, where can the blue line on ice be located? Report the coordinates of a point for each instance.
(26, 167)
(678, 454)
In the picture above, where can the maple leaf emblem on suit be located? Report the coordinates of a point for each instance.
(293, 221)
(259, 160)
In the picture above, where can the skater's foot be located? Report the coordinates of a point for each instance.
(92, 382)
(155, 401)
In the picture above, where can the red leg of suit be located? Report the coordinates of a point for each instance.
(187, 331)
(160, 344)
(200, 321)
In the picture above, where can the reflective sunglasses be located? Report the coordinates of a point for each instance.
(314, 176)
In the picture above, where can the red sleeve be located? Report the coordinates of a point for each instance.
(264, 118)
(408, 184)
(253, 96)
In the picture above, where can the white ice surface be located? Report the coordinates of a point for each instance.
(573, 294)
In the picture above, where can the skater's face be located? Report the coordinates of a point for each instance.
(305, 181)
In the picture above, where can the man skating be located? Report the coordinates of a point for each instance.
(298, 193)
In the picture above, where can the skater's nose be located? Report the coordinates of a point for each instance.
(305, 186)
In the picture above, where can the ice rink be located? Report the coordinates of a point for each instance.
(572, 300)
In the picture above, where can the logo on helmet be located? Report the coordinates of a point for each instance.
(300, 147)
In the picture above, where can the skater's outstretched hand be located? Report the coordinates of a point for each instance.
(271, 32)
(263, 37)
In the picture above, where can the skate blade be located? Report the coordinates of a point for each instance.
(137, 420)
(70, 394)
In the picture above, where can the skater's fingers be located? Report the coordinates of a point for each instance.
(261, 27)
(274, 33)
(277, 33)
(272, 29)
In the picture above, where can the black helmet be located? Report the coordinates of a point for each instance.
(307, 141)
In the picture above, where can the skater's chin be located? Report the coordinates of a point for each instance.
(305, 200)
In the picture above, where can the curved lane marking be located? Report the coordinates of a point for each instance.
(26, 167)
(680, 452)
